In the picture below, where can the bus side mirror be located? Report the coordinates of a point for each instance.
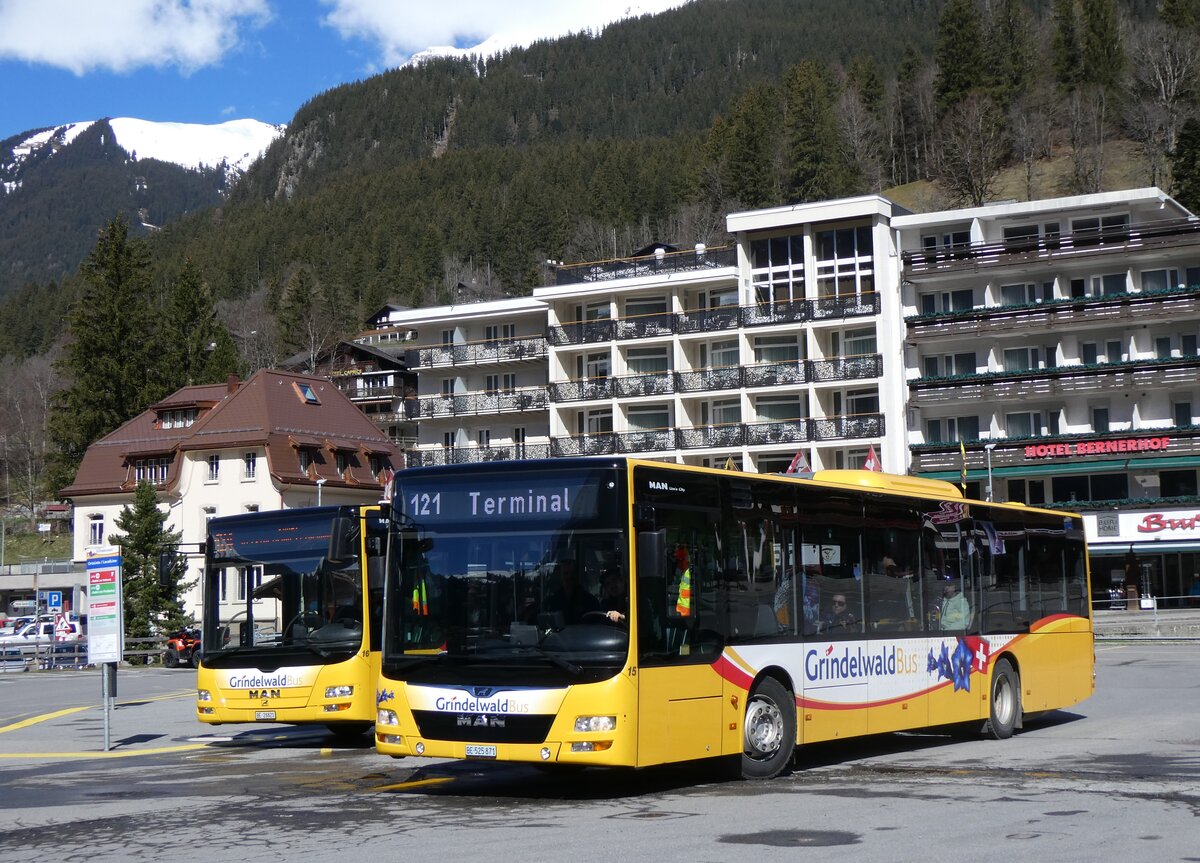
(651, 548)
(343, 535)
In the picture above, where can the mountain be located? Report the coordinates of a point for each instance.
(58, 185)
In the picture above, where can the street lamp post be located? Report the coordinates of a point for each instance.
(320, 483)
(988, 449)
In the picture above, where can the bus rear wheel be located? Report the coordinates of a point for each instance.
(769, 735)
(1005, 700)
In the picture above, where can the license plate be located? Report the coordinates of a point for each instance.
(481, 751)
(264, 714)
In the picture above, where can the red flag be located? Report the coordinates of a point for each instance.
(387, 480)
(799, 464)
(873, 462)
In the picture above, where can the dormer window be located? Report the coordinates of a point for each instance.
(305, 459)
(176, 419)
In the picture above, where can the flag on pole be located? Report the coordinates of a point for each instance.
(729, 465)
(388, 479)
(799, 464)
(962, 454)
(873, 462)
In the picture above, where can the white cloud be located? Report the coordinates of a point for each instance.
(83, 35)
(405, 27)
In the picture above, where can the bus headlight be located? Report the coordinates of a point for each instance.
(595, 723)
(203, 695)
(339, 691)
(386, 717)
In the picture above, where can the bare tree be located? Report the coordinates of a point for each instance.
(25, 400)
(1031, 133)
(250, 322)
(860, 133)
(1087, 130)
(972, 150)
(1161, 86)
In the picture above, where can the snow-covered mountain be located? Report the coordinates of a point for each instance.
(58, 186)
(235, 144)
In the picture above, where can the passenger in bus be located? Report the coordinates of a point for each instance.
(956, 611)
(839, 615)
(614, 601)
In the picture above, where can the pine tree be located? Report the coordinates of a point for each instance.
(1066, 44)
(196, 348)
(819, 165)
(152, 604)
(109, 350)
(1103, 53)
(1185, 165)
(959, 52)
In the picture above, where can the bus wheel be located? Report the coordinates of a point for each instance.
(1006, 700)
(770, 730)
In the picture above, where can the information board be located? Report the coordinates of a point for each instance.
(104, 609)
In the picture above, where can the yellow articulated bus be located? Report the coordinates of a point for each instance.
(292, 617)
(631, 613)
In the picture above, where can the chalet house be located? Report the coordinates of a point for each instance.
(276, 441)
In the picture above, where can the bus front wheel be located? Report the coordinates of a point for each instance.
(1006, 700)
(769, 736)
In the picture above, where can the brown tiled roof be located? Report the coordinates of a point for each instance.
(267, 411)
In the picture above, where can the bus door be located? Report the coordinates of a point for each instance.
(679, 691)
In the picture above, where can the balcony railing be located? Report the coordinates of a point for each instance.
(776, 374)
(370, 393)
(476, 353)
(470, 404)
(582, 332)
(648, 265)
(762, 314)
(845, 368)
(1170, 232)
(721, 378)
(601, 443)
(727, 435)
(582, 390)
(646, 326)
(708, 320)
(646, 441)
(826, 308)
(661, 383)
(475, 454)
(779, 431)
(853, 426)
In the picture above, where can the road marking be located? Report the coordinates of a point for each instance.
(34, 720)
(124, 753)
(403, 786)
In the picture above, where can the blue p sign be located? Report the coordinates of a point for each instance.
(54, 600)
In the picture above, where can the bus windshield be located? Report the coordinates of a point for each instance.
(272, 586)
(510, 575)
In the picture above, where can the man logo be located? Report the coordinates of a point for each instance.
(264, 694)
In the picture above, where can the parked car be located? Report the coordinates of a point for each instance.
(68, 654)
(14, 625)
(12, 659)
(40, 634)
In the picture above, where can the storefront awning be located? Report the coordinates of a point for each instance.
(1062, 468)
(1096, 549)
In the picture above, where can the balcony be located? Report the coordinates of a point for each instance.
(473, 404)
(645, 326)
(1057, 381)
(600, 443)
(788, 312)
(475, 454)
(369, 393)
(582, 390)
(1118, 309)
(653, 440)
(847, 427)
(721, 378)
(720, 436)
(1027, 250)
(478, 353)
(631, 386)
(776, 374)
(708, 320)
(646, 265)
(777, 431)
(844, 368)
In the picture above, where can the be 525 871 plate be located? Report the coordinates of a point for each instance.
(477, 751)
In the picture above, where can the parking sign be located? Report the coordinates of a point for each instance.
(53, 600)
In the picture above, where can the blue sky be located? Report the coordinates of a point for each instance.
(207, 61)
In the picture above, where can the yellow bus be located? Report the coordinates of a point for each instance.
(292, 611)
(631, 613)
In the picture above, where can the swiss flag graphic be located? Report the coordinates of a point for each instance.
(982, 652)
(873, 462)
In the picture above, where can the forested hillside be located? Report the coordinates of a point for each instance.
(406, 185)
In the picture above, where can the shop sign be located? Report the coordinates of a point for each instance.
(1156, 522)
(1097, 447)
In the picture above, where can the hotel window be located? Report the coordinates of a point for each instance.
(647, 361)
(777, 269)
(508, 382)
(1020, 359)
(1162, 347)
(649, 418)
(1100, 423)
(449, 439)
(491, 384)
(508, 332)
(1089, 353)
(595, 422)
(518, 436)
(593, 366)
(955, 429)
(594, 312)
(859, 402)
(950, 365)
(342, 460)
(1182, 411)
(1112, 351)
(845, 263)
(447, 386)
(214, 468)
(491, 334)
(1187, 345)
(305, 457)
(854, 343)
(1018, 295)
(777, 349)
(779, 408)
(1023, 424)
(1177, 483)
(1159, 280)
(250, 465)
(1031, 492)
(1088, 230)
(483, 437)
(962, 300)
(719, 355)
(1109, 285)
(642, 306)
(721, 412)
(96, 530)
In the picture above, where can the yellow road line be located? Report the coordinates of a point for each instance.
(34, 720)
(417, 784)
(124, 753)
